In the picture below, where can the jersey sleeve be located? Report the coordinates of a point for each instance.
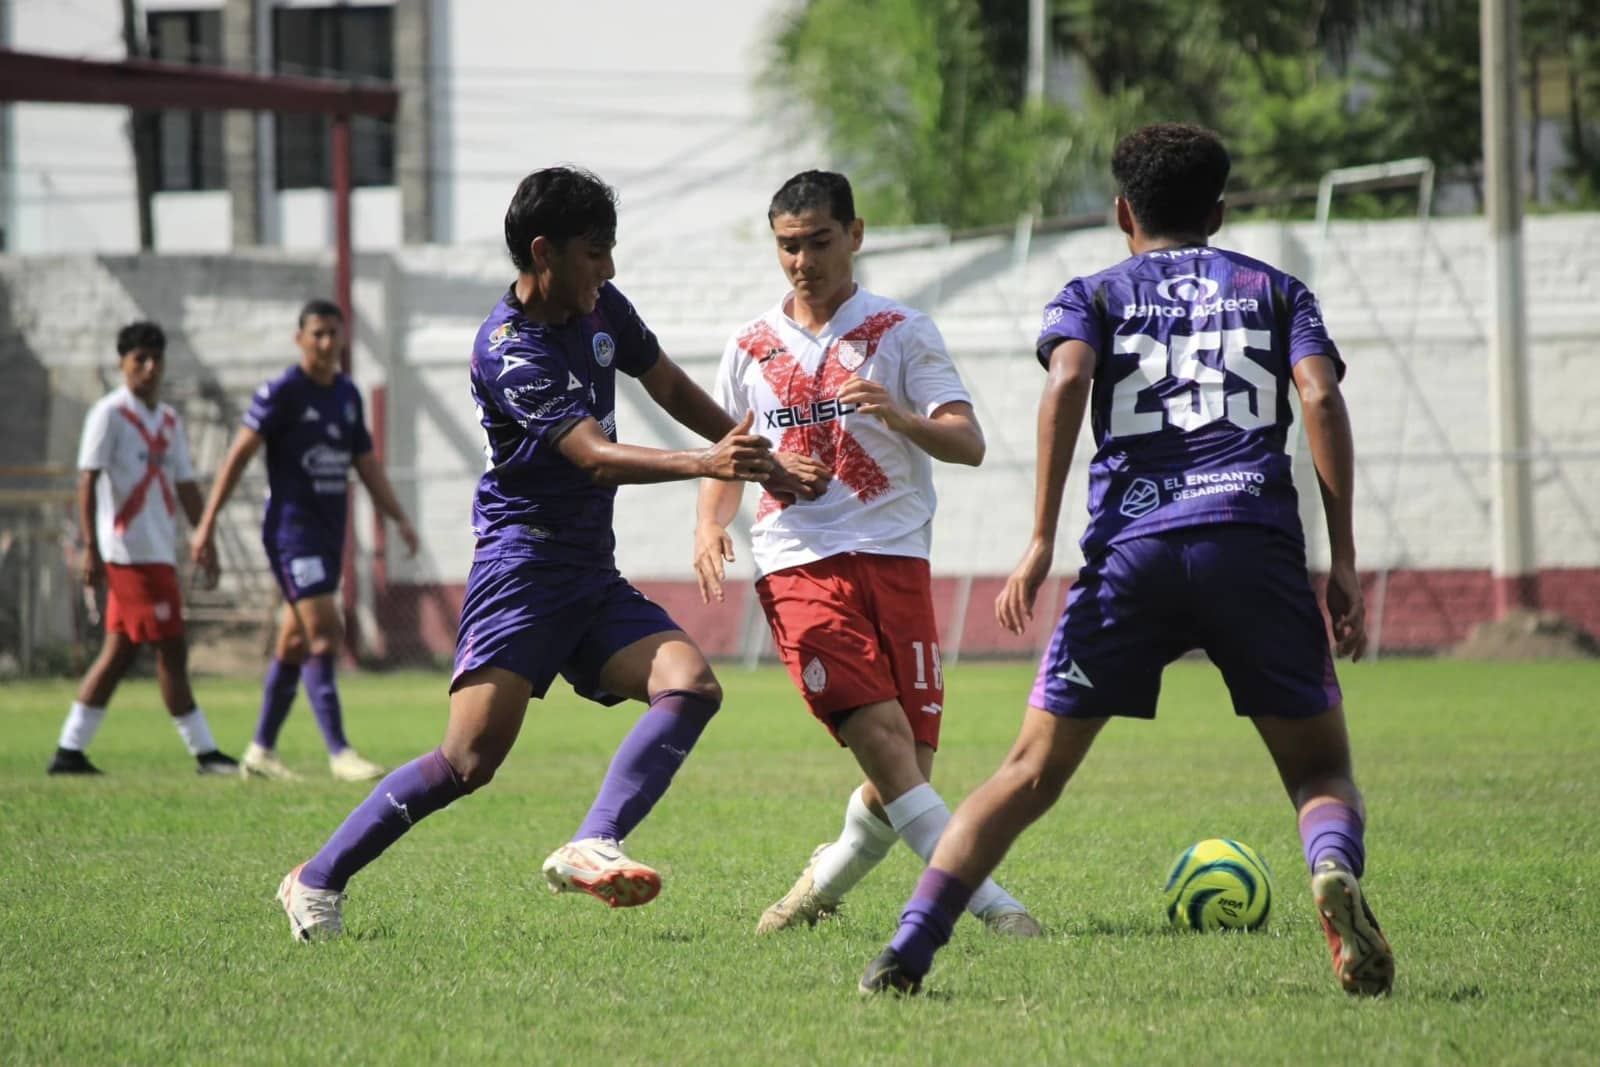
(1308, 335)
(266, 413)
(1070, 316)
(725, 390)
(182, 463)
(360, 437)
(535, 390)
(929, 374)
(94, 447)
(637, 347)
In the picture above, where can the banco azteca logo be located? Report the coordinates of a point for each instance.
(1187, 288)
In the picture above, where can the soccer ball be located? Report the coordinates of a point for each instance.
(1219, 884)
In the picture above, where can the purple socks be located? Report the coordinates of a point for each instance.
(645, 762)
(1333, 831)
(324, 696)
(277, 694)
(930, 915)
(407, 796)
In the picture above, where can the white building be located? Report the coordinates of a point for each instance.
(661, 100)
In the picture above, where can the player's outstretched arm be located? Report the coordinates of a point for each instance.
(372, 475)
(1061, 408)
(1333, 453)
(245, 445)
(951, 434)
(738, 456)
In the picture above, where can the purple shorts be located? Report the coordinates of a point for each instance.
(1238, 592)
(538, 620)
(303, 573)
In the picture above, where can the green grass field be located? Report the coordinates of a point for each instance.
(138, 922)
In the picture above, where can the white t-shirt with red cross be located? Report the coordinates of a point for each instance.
(881, 499)
(142, 455)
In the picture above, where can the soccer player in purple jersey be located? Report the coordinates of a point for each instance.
(1185, 354)
(310, 419)
(544, 596)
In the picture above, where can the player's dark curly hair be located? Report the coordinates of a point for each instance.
(141, 335)
(815, 189)
(1172, 175)
(559, 203)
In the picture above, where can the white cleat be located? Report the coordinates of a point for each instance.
(261, 762)
(351, 766)
(802, 904)
(314, 914)
(1362, 959)
(598, 867)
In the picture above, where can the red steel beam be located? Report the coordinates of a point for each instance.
(139, 83)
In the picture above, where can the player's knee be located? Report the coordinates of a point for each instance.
(707, 690)
(325, 642)
(474, 769)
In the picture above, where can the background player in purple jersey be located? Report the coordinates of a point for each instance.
(1186, 353)
(544, 596)
(310, 419)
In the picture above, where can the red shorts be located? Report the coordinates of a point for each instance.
(856, 629)
(142, 601)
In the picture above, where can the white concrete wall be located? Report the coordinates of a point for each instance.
(1406, 304)
(658, 99)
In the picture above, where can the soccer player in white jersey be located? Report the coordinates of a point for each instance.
(134, 471)
(864, 385)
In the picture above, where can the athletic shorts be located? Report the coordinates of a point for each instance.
(143, 602)
(856, 629)
(1236, 591)
(303, 573)
(538, 620)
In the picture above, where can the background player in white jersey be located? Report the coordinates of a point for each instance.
(864, 385)
(134, 471)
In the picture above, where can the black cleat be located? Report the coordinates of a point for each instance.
(215, 762)
(71, 761)
(887, 974)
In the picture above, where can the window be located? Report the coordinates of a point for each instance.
(188, 143)
(354, 43)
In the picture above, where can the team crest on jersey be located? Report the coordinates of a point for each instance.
(605, 349)
(815, 675)
(503, 333)
(1140, 499)
(850, 354)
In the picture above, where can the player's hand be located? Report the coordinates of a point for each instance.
(93, 570)
(202, 551)
(1013, 608)
(740, 456)
(712, 548)
(870, 398)
(409, 535)
(209, 575)
(1347, 608)
(797, 476)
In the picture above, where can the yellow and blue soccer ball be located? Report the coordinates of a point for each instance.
(1219, 884)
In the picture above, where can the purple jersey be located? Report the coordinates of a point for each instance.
(313, 434)
(1193, 350)
(532, 383)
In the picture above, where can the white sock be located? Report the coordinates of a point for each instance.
(83, 722)
(862, 845)
(919, 816)
(195, 732)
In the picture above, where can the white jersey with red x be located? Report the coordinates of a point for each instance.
(882, 498)
(141, 455)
